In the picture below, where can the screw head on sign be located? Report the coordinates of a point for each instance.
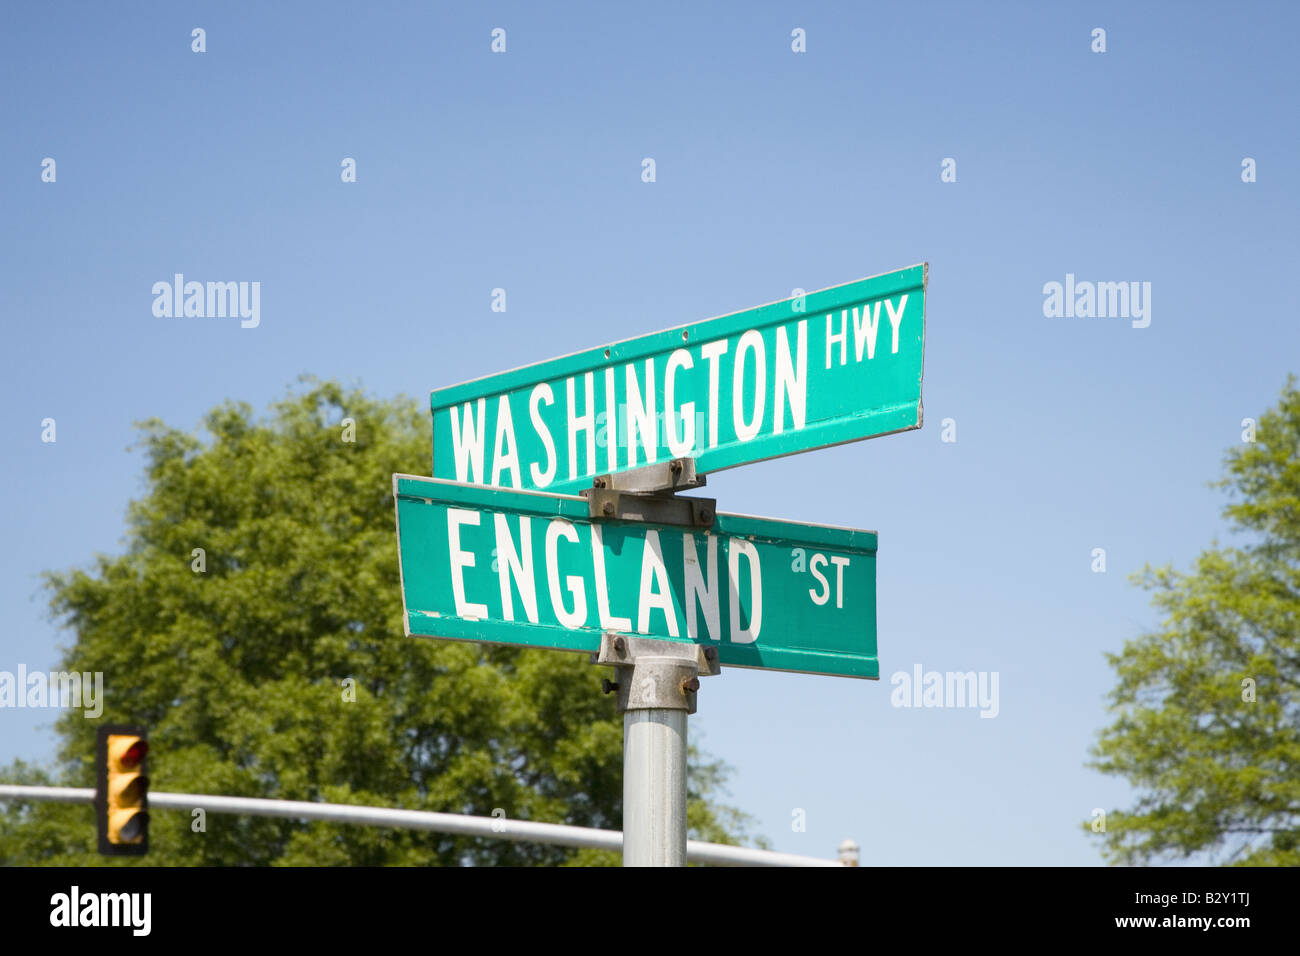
(706, 515)
(609, 508)
(690, 684)
(598, 483)
(620, 645)
(675, 466)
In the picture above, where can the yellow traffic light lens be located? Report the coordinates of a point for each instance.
(126, 790)
(127, 826)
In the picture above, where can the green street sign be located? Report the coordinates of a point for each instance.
(532, 568)
(820, 369)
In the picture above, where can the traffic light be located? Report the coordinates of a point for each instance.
(122, 791)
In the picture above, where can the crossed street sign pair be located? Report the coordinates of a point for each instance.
(498, 546)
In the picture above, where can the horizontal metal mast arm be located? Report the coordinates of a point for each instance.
(523, 831)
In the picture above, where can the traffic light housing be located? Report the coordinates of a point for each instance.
(122, 791)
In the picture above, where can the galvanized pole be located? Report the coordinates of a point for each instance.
(654, 787)
(657, 685)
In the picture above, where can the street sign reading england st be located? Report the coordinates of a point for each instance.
(820, 369)
(531, 568)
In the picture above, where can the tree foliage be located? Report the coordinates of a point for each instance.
(241, 670)
(1207, 708)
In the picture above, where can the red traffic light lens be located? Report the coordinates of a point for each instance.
(135, 753)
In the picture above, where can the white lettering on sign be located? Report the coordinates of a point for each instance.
(467, 441)
(557, 529)
(542, 393)
(504, 455)
(680, 359)
(577, 423)
(866, 325)
(636, 558)
(460, 560)
(654, 586)
(607, 620)
(712, 353)
(611, 447)
(750, 342)
(840, 563)
(511, 564)
(791, 379)
(700, 594)
(641, 414)
(864, 332)
(895, 318)
(635, 411)
(740, 548)
(822, 593)
(818, 560)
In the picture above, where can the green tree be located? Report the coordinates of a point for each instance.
(241, 659)
(1207, 725)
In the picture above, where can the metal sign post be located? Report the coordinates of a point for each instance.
(657, 680)
(656, 687)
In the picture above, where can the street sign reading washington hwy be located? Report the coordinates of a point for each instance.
(820, 369)
(519, 567)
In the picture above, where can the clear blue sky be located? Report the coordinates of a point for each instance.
(775, 170)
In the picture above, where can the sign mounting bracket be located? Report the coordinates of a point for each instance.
(676, 475)
(647, 495)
